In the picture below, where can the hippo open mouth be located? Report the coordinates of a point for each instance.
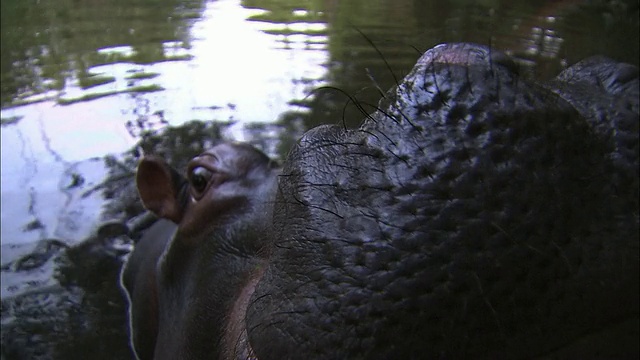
(474, 215)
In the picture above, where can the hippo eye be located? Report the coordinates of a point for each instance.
(199, 178)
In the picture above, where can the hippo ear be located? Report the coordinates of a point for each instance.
(159, 187)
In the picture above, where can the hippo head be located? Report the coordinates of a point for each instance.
(222, 184)
(185, 272)
(473, 215)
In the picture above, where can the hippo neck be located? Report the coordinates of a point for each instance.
(230, 275)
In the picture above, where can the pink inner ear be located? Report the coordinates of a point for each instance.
(155, 187)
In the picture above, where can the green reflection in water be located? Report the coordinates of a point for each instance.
(135, 89)
(95, 80)
(46, 44)
(544, 37)
(142, 75)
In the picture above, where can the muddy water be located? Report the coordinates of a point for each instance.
(86, 79)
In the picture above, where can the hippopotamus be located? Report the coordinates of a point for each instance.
(474, 214)
(191, 263)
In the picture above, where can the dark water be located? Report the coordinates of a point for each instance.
(84, 79)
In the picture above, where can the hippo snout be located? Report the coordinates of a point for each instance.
(476, 214)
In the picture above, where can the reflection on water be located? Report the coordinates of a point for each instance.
(47, 44)
(225, 68)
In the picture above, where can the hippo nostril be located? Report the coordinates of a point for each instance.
(501, 59)
(625, 73)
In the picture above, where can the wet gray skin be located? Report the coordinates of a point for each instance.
(474, 215)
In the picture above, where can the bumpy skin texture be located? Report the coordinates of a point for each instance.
(474, 215)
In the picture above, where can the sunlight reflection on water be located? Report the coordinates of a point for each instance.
(228, 69)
